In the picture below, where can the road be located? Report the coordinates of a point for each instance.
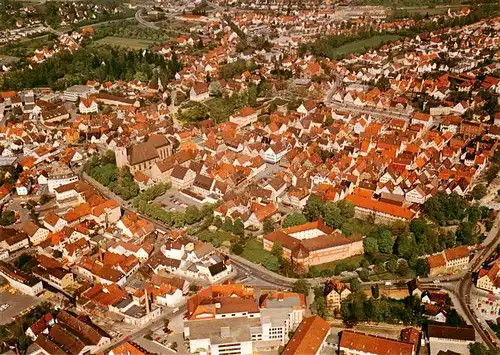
(138, 17)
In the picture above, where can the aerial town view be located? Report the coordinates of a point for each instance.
(250, 177)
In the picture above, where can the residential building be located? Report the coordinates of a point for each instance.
(448, 261)
(20, 280)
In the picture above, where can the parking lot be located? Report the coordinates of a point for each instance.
(173, 200)
(17, 302)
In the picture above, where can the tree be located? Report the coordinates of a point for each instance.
(238, 227)
(421, 267)
(478, 192)
(271, 263)
(237, 248)
(332, 215)
(348, 228)
(383, 84)
(294, 219)
(313, 208)
(453, 318)
(364, 274)
(392, 265)
(8, 217)
(268, 226)
(492, 173)
(217, 222)
(355, 284)
(192, 214)
(481, 349)
(301, 286)
(277, 250)
(375, 291)
(370, 245)
(402, 268)
(228, 225)
(465, 234)
(418, 227)
(385, 242)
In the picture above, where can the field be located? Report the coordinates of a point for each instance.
(354, 260)
(361, 45)
(254, 251)
(126, 42)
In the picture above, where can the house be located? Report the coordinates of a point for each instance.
(199, 92)
(488, 279)
(354, 343)
(448, 261)
(53, 272)
(88, 105)
(20, 280)
(314, 243)
(12, 240)
(36, 234)
(275, 152)
(444, 337)
(336, 292)
(309, 338)
(182, 177)
(245, 116)
(422, 118)
(70, 332)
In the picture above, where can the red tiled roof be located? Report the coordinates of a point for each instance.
(309, 337)
(374, 345)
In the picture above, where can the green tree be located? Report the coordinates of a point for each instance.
(268, 226)
(277, 250)
(271, 263)
(238, 227)
(481, 349)
(370, 245)
(375, 291)
(8, 217)
(392, 265)
(419, 227)
(237, 248)
(364, 274)
(217, 222)
(492, 172)
(385, 242)
(332, 215)
(348, 228)
(421, 267)
(313, 208)
(294, 219)
(478, 192)
(192, 214)
(301, 286)
(402, 269)
(228, 225)
(354, 284)
(465, 234)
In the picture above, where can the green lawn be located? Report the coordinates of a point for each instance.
(331, 265)
(254, 251)
(131, 43)
(361, 45)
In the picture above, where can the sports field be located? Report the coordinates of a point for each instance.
(131, 43)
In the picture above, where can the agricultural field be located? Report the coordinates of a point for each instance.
(131, 43)
(362, 45)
